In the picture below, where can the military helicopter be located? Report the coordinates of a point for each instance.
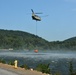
(35, 17)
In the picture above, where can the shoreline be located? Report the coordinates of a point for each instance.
(19, 70)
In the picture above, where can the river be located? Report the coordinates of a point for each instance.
(58, 60)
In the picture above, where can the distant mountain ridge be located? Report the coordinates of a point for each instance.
(24, 40)
(71, 39)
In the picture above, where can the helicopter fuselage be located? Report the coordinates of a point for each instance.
(35, 17)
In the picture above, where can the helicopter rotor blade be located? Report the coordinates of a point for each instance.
(39, 13)
(32, 10)
(35, 13)
(44, 16)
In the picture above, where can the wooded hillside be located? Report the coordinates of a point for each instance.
(24, 40)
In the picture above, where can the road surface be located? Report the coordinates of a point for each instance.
(10, 70)
(6, 72)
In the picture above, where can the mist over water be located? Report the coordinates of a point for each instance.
(41, 54)
(59, 60)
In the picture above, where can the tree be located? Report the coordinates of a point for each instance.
(44, 68)
(71, 68)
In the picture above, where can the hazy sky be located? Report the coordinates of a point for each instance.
(60, 24)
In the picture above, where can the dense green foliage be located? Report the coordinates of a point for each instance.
(11, 62)
(24, 66)
(24, 40)
(21, 40)
(44, 68)
(71, 70)
(2, 61)
(69, 44)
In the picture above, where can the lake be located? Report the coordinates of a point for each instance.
(58, 60)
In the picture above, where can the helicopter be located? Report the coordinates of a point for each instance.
(35, 17)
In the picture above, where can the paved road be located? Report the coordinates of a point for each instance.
(5, 72)
(6, 69)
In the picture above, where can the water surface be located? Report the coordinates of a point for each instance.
(58, 60)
